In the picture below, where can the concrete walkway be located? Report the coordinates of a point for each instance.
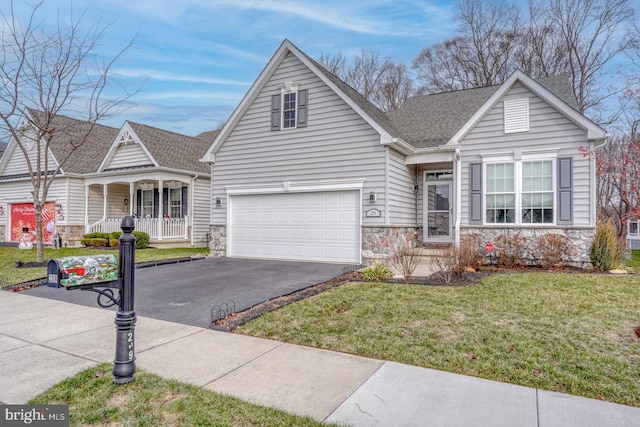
(44, 341)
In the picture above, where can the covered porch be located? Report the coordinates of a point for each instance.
(438, 209)
(160, 207)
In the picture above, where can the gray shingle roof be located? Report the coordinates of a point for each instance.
(208, 136)
(431, 120)
(69, 131)
(173, 150)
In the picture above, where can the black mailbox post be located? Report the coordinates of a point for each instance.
(124, 365)
(102, 274)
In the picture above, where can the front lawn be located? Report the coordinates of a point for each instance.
(634, 261)
(10, 275)
(152, 401)
(572, 333)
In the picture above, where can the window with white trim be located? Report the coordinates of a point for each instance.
(289, 109)
(537, 192)
(520, 192)
(147, 203)
(175, 202)
(500, 193)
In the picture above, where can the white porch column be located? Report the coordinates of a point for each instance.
(132, 187)
(105, 193)
(86, 209)
(160, 213)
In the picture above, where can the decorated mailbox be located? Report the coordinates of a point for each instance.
(82, 270)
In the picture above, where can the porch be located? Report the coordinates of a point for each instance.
(162, 208)
(157, 229)
(633, 234)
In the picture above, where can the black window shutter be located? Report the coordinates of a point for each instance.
(475, 193)
(139, 203)
(165, 202)
(565, 192)
(156, 200)
(275, 112)
(184, 202)
(302, 108)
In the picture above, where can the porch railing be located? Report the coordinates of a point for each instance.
(633, 234)
(172, 228)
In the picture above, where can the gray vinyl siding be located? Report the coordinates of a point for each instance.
(95, 203)
(200, 211)
(17, 163)
(548, 129)
(129, 155)
(74, 209)
(336, 144)
(402, 200)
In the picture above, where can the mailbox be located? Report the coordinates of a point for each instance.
(77, 271)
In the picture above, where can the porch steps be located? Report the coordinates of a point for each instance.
(425, 266)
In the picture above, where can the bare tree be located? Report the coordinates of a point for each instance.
(482, 54)
(381, 82)
(590, 35)
(580, 37)
(45, 74)
(393, 88)
(335, 64)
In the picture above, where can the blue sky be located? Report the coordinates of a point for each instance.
(197, 58)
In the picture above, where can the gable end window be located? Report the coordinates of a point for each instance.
(516, 115)
(289, 110)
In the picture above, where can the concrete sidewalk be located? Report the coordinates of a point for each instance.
(44, 341)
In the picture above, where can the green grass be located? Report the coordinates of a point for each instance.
(10, 275)
(152, 401)
(634, 261)
(572, 333)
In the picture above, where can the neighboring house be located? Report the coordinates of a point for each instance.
(137, 170)
(633, 234)
(307, 169)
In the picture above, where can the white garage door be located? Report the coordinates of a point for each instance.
(318, 226)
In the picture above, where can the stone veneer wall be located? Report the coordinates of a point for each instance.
(581, 237)
(72, 235)
(379, 243)
(218, 242)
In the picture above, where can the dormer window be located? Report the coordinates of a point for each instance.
(289, 108)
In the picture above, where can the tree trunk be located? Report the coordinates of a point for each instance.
(39, 241)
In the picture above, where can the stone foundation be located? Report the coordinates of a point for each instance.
(2, 233)
(71, 235)
(380, 243)
(581, 238)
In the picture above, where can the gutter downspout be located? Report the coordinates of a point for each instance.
(193, 191)
(458, 163)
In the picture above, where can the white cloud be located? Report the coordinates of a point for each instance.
(163, 76)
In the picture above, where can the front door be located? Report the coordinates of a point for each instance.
(438, 212)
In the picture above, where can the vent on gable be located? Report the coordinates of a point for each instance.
(516, 115)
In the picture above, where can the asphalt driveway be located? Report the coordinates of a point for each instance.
(186, 292)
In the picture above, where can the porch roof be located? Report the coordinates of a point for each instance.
(172, 150)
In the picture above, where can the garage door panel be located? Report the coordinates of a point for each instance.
(322, 226)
